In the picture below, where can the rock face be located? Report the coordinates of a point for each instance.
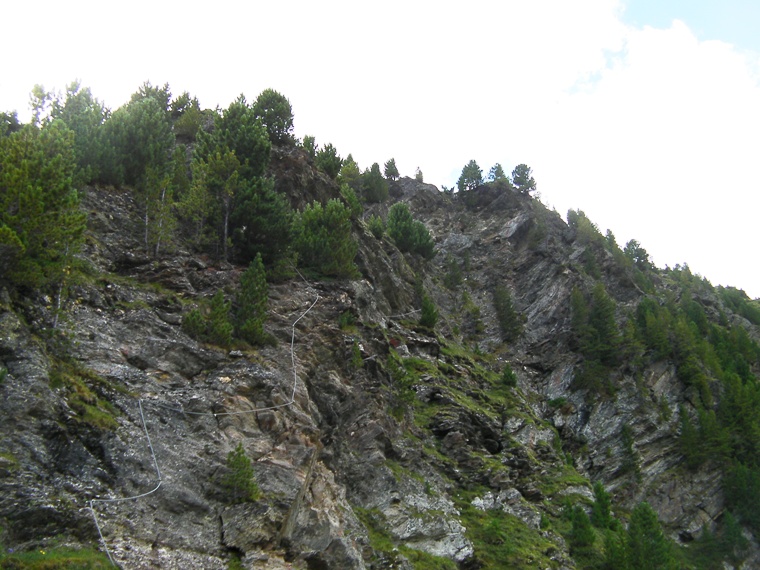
(406, 442)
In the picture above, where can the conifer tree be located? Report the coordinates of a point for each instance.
(510, 322)
(647, 546)
(496, 173)
(350, 174)
(239, 479)
(323, 239)
(261, 222)
(582, 534)
(219, 328)
(275, 113)
(600, 511)
(429, 315)
(41, 226)
(85, 116)
(374, 186)
(471, 177)
(328, 160)
(251, 302)
(390, 170)
(409, 234)
(522, 178)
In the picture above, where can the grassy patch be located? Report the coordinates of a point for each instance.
(78, 385)
(504, 541)
(55, 559)
(381, 541)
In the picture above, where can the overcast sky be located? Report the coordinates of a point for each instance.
(644, 114)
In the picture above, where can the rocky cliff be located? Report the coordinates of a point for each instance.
(376, 443)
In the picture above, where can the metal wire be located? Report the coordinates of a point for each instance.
(181, 410)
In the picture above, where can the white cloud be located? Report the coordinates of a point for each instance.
(650, 131)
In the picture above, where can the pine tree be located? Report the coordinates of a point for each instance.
(276, 114)
(647, 546)
(510, 322)
(251, 303)
(390, 170)
(328, 160)
(600, 511)
(374, 186)
(496, 173)
(471, 177)
(239, 479)
(429, 316)
(218, 328)
(522, 178)
(409, 235)
(582, 534)
(41, 226)
(324, 241)
(350, 174)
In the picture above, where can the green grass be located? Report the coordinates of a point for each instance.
(55, 559)
(78, 384)
(381, 541)
(504, 541)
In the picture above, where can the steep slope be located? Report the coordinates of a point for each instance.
(376, 443)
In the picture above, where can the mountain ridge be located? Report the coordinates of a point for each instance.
(405, 446)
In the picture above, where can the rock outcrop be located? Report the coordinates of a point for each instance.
(381, 432)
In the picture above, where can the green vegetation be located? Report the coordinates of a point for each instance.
(239, 479)
(83, 391)
(410, 235)
(596, 337)
(376, 226)
(374, 186)
(429, 315)
(510, 321)
(251, 303)
(522, 179)
(55, 559)
(323, 239)
(211, 323)
(471, 177)
(41, 226)
(600, 512)
(275, 113)
(496, 174)
(390, 170)
(328, 160)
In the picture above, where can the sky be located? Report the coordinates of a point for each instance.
(645, 114)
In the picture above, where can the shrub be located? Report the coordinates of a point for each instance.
(508, 376)
(239, 479)
(453, 277)
(215, 327)
(410, 235)
(219, 328)
(374, 186)
(310, 145)
(323, 239)
(376, 226)
(429, 316)
(251, 303)
(328, 161)
(510, 321)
